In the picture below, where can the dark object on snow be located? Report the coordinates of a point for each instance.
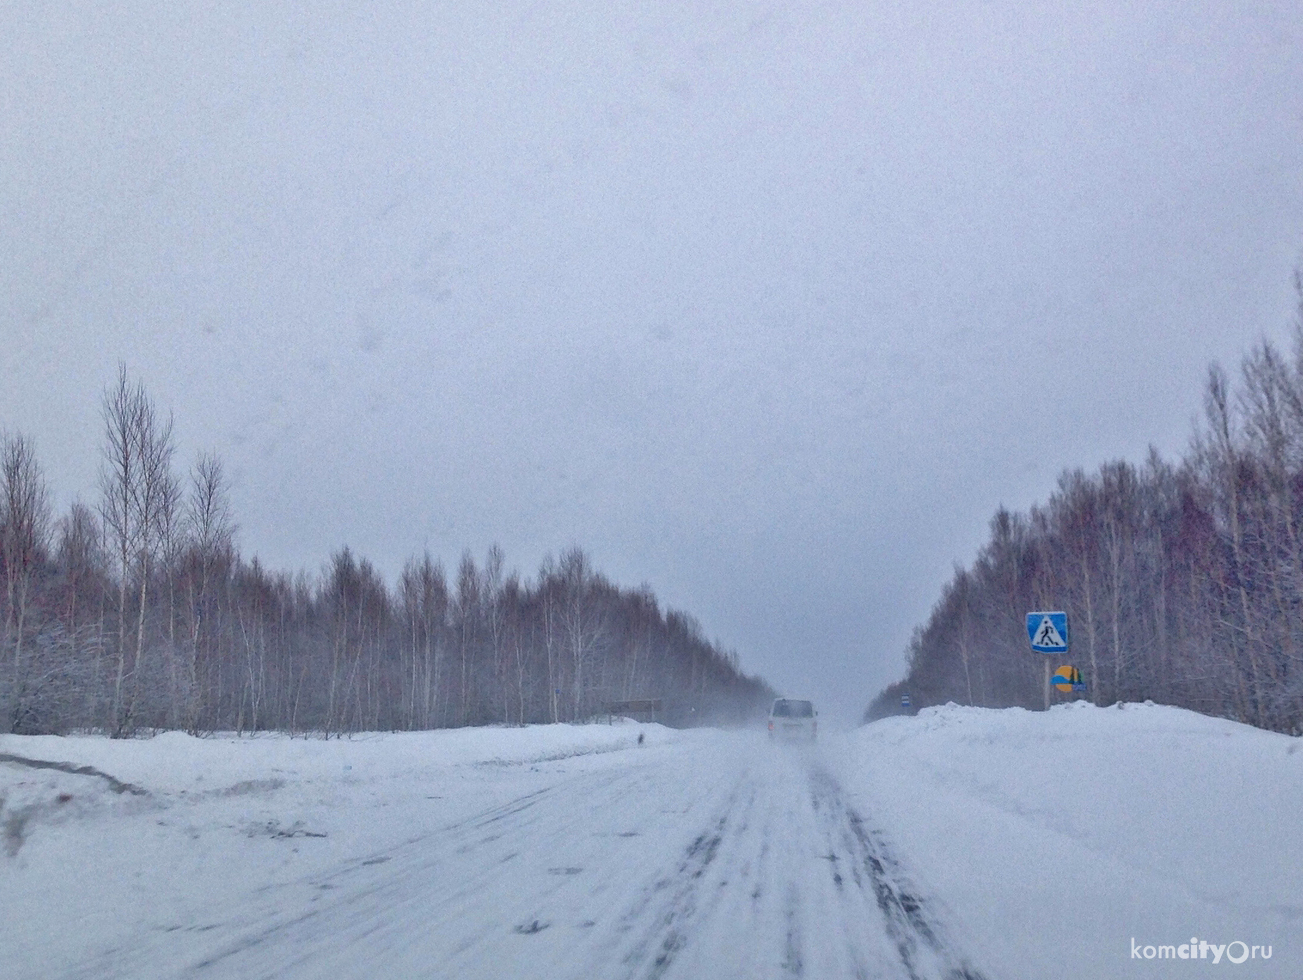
(117, 785)
(641, 736)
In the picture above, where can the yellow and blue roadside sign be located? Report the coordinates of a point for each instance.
(1068, 679)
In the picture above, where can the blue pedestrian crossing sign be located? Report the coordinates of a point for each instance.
(1048, 631)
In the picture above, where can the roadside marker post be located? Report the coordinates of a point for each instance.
(1048, 633)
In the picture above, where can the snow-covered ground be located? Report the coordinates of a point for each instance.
(959, 843)
(1054, 839)
(208, 834)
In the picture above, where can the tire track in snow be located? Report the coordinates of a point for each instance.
(793, 965)
(294, 919)
(366, 905)
(669, 932)
(359, 901)
(918, 938)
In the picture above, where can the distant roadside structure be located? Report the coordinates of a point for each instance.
(644, 709)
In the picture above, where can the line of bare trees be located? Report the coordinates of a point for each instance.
(1183, 582)
(140, 614)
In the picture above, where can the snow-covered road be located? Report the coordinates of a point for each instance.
(714, 856)
(734, 861)
(954, 845)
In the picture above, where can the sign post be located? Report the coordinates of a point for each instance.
(1048, 633)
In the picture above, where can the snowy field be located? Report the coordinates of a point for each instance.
(959, 843)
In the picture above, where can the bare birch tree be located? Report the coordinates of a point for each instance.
(24, 540)
(136, 481)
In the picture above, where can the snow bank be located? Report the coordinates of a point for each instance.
(174, 762)
(1060, 836)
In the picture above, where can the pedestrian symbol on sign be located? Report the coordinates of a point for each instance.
(1048, 635)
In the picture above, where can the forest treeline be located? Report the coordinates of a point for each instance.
(138, 613)
(1183, 581)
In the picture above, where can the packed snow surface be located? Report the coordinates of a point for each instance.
(961, 843)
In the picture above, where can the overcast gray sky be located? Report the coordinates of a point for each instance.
(769, 306)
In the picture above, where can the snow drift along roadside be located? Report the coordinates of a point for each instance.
(1056, 838)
